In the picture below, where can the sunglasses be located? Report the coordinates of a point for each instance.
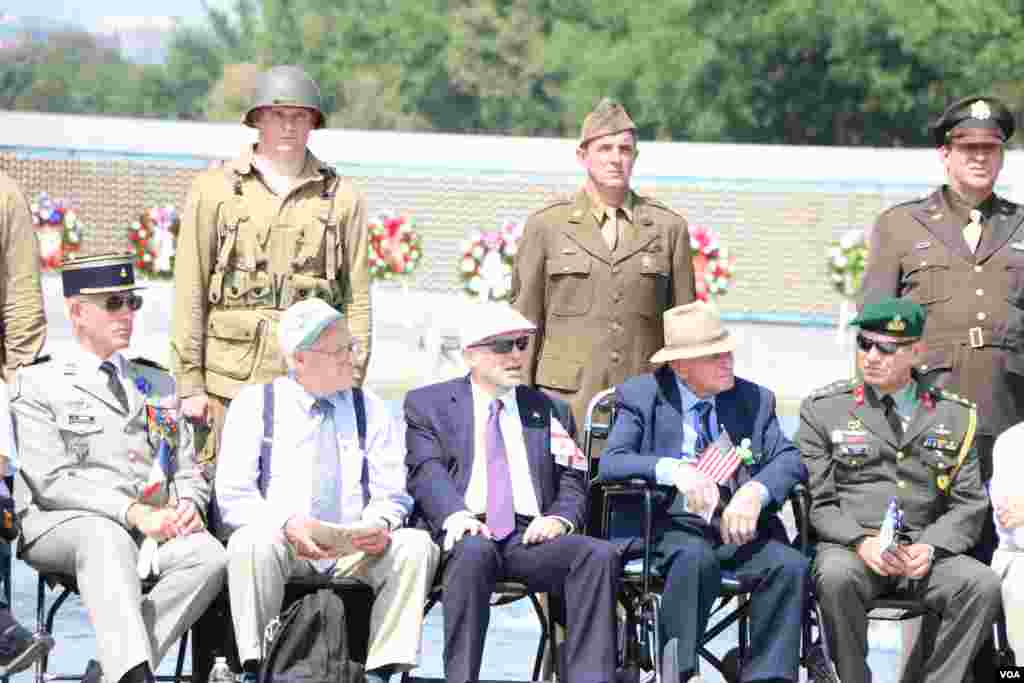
(503, 346)
(115, 302)
(884, 348)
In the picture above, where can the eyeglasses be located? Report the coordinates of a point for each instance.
(884, 348)
(351, 347)
(115, 302)
(503, 346)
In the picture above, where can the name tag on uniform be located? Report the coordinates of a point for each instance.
(849, 436)
(81, 419)
(923, 245)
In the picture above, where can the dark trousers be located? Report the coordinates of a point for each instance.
(692, 558)
(584, 570)
(964, 593)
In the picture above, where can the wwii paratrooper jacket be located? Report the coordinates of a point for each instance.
(598, 311)
(22, 320)
(857, 464)
(244, 255)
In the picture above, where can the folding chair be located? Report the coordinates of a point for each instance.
(642, 585)
(67, 586)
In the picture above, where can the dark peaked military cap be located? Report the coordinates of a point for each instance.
(978, 115)
(893, 317)
(98, 274)
(609, 117)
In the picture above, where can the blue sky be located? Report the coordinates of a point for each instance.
(89, 12)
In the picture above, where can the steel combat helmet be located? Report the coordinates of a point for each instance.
(285, 86)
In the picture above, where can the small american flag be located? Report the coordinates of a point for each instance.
(720, 459)
(565, 450)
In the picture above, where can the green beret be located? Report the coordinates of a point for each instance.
(973, 114)
(892, 317)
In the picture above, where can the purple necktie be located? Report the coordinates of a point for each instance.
(501, 514)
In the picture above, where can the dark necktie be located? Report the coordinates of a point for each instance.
(501, 512)
(891, 416)
(702, 423)
(114, 384)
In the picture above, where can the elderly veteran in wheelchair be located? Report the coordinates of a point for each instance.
(890, 440)
(713, 445)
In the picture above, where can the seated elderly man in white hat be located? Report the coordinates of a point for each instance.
(712, 443)
(483, 471)
(335, 457)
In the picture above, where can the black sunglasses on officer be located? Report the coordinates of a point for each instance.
(503, 346)
(113, 303)
(886, 348)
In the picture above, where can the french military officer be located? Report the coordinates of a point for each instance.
(960, 253)
(93, 494)
(274, 226)
(22, 319)
(893, 437)
(595, 272)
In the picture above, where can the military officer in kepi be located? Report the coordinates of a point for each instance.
(107, 471)
(595, 272)
(892, 436)
(272, 227)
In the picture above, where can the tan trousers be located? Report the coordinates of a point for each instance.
(260, 561)
(1009, 564)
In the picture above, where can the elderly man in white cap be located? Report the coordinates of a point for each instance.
(712, 443)
(484, 473)
(335, 457)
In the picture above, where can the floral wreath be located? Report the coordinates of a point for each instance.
(486, 263)
(712, 265)
(395, 247)
(847, 259)
(58, 230)
(153, 235)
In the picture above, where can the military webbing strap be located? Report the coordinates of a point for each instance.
(227, 246)
(330, 229)
(965, 447)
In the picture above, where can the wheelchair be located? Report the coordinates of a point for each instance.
(641, 649)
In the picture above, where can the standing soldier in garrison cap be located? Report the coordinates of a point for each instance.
(595, 272)
(22, 320)
(274, 226)
(894, 436)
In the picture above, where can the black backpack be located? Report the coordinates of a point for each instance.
(308, 644)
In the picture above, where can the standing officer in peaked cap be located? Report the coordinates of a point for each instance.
(273, 227)
(595, 272)
(894, 437)
(96, 500)
(960, 253)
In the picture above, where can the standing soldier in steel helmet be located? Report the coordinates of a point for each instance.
(596, 271)
(272, 227)
(22, 320)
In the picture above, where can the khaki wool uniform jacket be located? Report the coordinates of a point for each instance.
(244, 255)
(598, 311)
(857, 464)
(80, 455)
(22, 319)
(975, 301)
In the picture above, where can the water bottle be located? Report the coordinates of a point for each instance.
(221, 672)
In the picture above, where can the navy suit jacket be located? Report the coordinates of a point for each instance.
(440, 452)
(649, 426)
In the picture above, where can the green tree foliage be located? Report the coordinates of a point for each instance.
(831, 72)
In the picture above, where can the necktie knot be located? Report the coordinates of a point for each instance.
(114, 384)
(496, 407)
(891, 415)
(324, 407)
(702, 413)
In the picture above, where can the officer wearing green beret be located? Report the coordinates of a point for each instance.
(894, 436)
(595, 272)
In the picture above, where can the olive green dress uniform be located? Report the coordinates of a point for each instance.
(22, 319)
(857, 463)
(975, 300)
(83, 461)
(598, 311)
(244, 255)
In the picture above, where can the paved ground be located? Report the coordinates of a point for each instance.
(411, 333)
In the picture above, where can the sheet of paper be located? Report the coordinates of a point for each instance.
(338, 537)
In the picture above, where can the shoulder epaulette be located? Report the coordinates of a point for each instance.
(658, 204)
(44, 358)
(838, 387)
(956, 398)
(139, 360)
(562, 201)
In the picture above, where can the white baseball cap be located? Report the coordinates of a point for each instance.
(493, 319)
(302, 323)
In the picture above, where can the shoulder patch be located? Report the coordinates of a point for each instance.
(139, 360)
(838, 387)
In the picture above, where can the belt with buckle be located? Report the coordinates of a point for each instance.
(977, 337)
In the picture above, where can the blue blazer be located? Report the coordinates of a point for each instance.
(649, 426)
(440, 452)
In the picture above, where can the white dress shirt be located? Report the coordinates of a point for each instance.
(297, 426)
(523, 494)
(1007, 478)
